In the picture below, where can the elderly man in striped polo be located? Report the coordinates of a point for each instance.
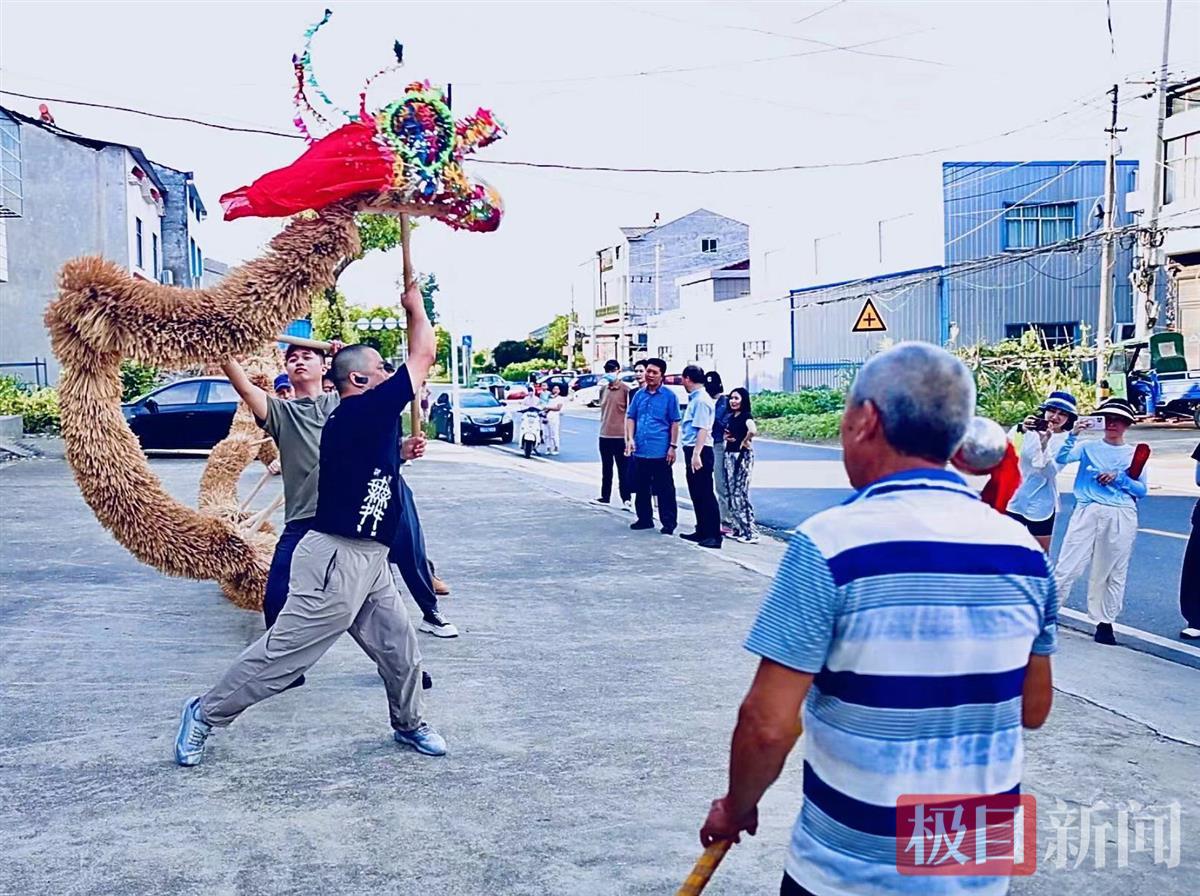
(914, 626)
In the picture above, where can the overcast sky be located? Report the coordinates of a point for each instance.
(580, 83)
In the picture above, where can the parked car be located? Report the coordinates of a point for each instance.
(483, 417)
(674, 382)
(493, 383)
(589, 393)
(187, 414)
(516, 392)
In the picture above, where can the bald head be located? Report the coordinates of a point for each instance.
(924, 396)
(356, 359)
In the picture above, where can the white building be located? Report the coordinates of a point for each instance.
(721, 327)
(1181, 214)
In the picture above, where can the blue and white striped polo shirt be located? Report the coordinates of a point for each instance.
(916, 606)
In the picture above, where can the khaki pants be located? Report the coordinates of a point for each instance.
(337, 585)
(1103, 535)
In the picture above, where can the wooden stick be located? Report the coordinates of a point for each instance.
(257, 488)
(704, 868)
(405, 248)
(257, 520)
(288, 339)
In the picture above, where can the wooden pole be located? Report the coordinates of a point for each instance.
(288, 339)
(704, 868)
(246, 504)
(415, 408)
(259, 518)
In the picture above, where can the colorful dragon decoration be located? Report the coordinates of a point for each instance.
(405, 159)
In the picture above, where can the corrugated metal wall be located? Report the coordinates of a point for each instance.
(907, 303)
(1057, 287)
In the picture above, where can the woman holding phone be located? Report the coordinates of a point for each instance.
(1035, 503)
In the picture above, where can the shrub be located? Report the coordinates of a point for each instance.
(138, 379)
(821, 427)
(38, 408)
(519, 371)
(806, 401)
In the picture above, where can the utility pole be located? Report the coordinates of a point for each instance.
(1146, 272)
(1104, 314)
(456, 411)
(657, 277)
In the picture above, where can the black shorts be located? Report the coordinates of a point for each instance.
(1044, 528)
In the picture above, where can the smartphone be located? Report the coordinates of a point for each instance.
(1094, 422)
(1041, 424)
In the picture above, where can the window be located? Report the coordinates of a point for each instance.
(704, 349)
(1030, 226)
(199, 263)
(1052, 335)
(664, 352)
(222, 393)
(154, 253)
(1182, 180)
(708, 245)
(618, 253)
(756, 348)
(11, 205)
(184, 393)
(192, 258)
(137, 250)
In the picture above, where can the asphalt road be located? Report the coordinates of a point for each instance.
(1152, 596)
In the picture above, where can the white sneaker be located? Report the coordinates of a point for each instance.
(747, 539)
(435, 625)
(1190, 634)
(628, 505)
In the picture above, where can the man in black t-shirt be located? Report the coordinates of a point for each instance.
(340, 580)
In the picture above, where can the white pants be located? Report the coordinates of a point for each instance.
(1104, 535)
(554, 428)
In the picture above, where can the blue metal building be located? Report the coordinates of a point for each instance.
(1021, 250)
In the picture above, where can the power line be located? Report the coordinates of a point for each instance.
(1002, 212)
(819, 12)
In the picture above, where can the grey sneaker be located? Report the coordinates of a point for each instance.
(434, 624)
(423, 739)
(189, 742)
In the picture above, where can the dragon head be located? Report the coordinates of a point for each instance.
(405, 158)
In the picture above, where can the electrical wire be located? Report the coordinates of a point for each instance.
(1002, 212)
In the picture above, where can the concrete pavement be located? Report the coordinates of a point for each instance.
(587, 705)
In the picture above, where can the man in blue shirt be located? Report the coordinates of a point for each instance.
(914, 626)
(651, 438)
(698, 459)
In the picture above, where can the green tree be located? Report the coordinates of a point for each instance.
(514, 351)
(428, 285)
(482, 362)
(376, 233)
(555, 342)
(443, 347)
(386, 342)
(331, 318)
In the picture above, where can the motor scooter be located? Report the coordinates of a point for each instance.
(533, 429)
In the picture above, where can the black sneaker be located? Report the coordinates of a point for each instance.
(640, 525)
(426, 681)
(666, 531)
(710, 543)
(1104, 634)
(690, 536)
(601, 501)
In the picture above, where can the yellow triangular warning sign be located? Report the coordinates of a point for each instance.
(869, 320)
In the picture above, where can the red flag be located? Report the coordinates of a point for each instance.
(1141, 454)
(1004, 481)
(349, 161)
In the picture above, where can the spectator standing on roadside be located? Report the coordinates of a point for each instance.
(1035, 503)
(554, 406)
(283, 388)
(1104, 523)
(715, 388)
(698, 459)
(651, 439)
(913, 625)
(614, 403)
(1189, 577)
(740, 430)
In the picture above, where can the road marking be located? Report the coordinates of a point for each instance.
(1148, 637)
(1164, 533)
